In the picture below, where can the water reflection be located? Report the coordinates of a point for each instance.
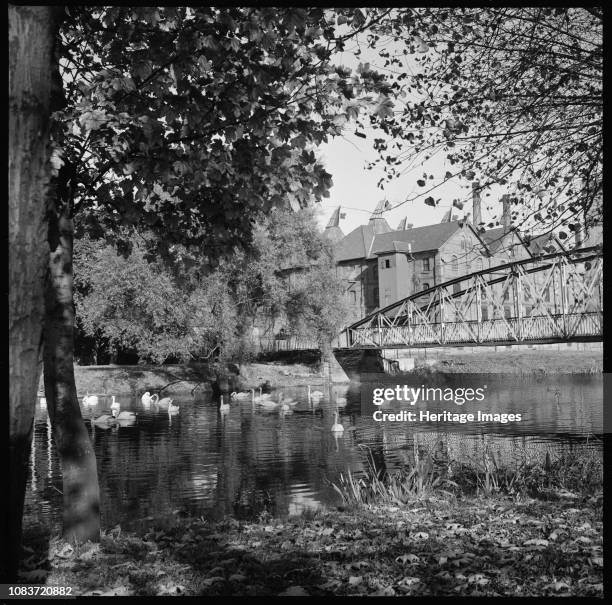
(251, 459)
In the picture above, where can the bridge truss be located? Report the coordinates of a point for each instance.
(552, 298)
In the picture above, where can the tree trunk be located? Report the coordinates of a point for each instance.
(75, 449)
(32, 32)
(326, 355)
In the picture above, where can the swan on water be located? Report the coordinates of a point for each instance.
(262, 397)
(223, 407)
(173, 409)
(115, 405)
(165, 401)
(240, 396)
(336, 427)
(90, 399)
(147, 398)
(106, 419)
(286, 400)
(126, 416)
(314, 397)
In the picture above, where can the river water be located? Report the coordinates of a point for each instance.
(249, 460)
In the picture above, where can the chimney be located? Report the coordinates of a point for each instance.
(476, 211)
(579, 236)
(506, 213)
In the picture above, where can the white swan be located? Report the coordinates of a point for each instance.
(287, 400)
(115, 405)
(223, 407)
(268, 404)
(314, 397)
(315, 394)
(261, 397)
(165, 401)
(240, 396)
(126, 416)
(105, 419)
(148, 399)
(173, 409)
(90, 399)
(337, 427)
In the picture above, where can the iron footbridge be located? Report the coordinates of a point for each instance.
(551, 298)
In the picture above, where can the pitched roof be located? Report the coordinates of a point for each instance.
(493, 238)
(356, 244)
(430, 237)
(334, 234)
(334, 219)
(539, 243)
(450, 216)
(378, 223)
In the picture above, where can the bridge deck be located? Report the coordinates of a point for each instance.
(517, 295)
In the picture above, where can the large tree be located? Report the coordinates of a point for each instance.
(178, 308)
(506, 95)
(189, 122)
(32, 62)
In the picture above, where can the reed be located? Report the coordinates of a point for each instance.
(419, 481)
(579, 472)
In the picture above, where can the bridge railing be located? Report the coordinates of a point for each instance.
(293, 343)
(525, 329)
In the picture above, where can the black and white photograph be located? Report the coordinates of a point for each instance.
(305, 301)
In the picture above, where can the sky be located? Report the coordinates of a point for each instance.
(355, 188)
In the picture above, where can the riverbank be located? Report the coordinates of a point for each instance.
(188, 379)
(461, 547)
(306, 370)
(525, 361)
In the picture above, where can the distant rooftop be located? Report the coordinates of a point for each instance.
(429, 237)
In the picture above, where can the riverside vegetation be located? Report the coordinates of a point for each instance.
(436, 528)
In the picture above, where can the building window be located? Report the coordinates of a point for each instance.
(387, 263)
(354, 297)
(484, 313)
(454, 264)
(456, 287)
(426, 266)
(425, 286)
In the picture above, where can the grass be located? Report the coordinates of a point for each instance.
(580, 473)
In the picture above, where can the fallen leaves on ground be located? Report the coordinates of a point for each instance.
(470, 547)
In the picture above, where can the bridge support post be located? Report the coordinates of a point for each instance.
(518, 304)
(441, 305)
(478, 309)
(563, 283)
